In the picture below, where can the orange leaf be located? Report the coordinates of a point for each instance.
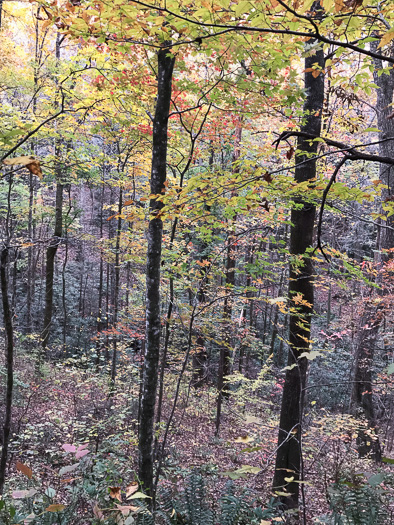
(114, 492)
(55, 507)
(20, 467)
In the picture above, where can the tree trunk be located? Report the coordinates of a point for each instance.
(225, 350)
(362, 394)
(50, 261)
(155, 234)
(117, 286)
(9, 333)
(288, 458)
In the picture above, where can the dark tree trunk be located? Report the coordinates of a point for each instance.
(288, 458)
(57, 233)
(50, 262)
(9, 333)
(362, 394)
(117, 286)
(155, 234)
(384, 108)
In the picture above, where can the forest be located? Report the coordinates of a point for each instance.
(197, 262)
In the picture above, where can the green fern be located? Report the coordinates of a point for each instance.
(356, 505)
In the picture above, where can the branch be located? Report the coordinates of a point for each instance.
(323, 202)
(349, 150)
(240, 28)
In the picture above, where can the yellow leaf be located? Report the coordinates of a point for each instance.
(386, 38)
(55, 507)
(31, 163)
(243, 439)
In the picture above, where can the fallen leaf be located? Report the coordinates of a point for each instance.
(69, 448)
(20, 467)
(131, 489)
(126, 509)
(114, 492)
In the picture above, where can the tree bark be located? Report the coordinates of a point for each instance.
(50, 262)
(9, 333)
(288, 458)
(155, 235)
(362, 394)
(225, 350)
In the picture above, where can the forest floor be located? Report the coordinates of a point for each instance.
(78, 441)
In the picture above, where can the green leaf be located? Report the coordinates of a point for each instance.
(390, 369)
(241, 472)
(376, 479)
(388, 460)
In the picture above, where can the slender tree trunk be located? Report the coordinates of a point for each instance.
(9, 333)
(155, 234)
(225, 350)
(50, 264)
(117, 286)
(30, 258)
(54, 243)
(100, 323)
(288, 458)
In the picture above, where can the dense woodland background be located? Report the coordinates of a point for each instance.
(263, 230)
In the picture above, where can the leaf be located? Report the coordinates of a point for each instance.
(81, 452)
(390, 461)
(20, 467)
(68, 469)
(243, 439)
(386, 38)
(114, 492)
(241, 472)
(97, 512)
(376, 479)
(55, 507)
(311, 355)
(138, 495)
(390, 369)
(69, 448)
(24, 161)
(31, 163)
(126, 509)
(131, 489)
(290, 153)
(253, 419)
(21, 494)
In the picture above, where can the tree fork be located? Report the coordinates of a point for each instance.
(155, 236)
